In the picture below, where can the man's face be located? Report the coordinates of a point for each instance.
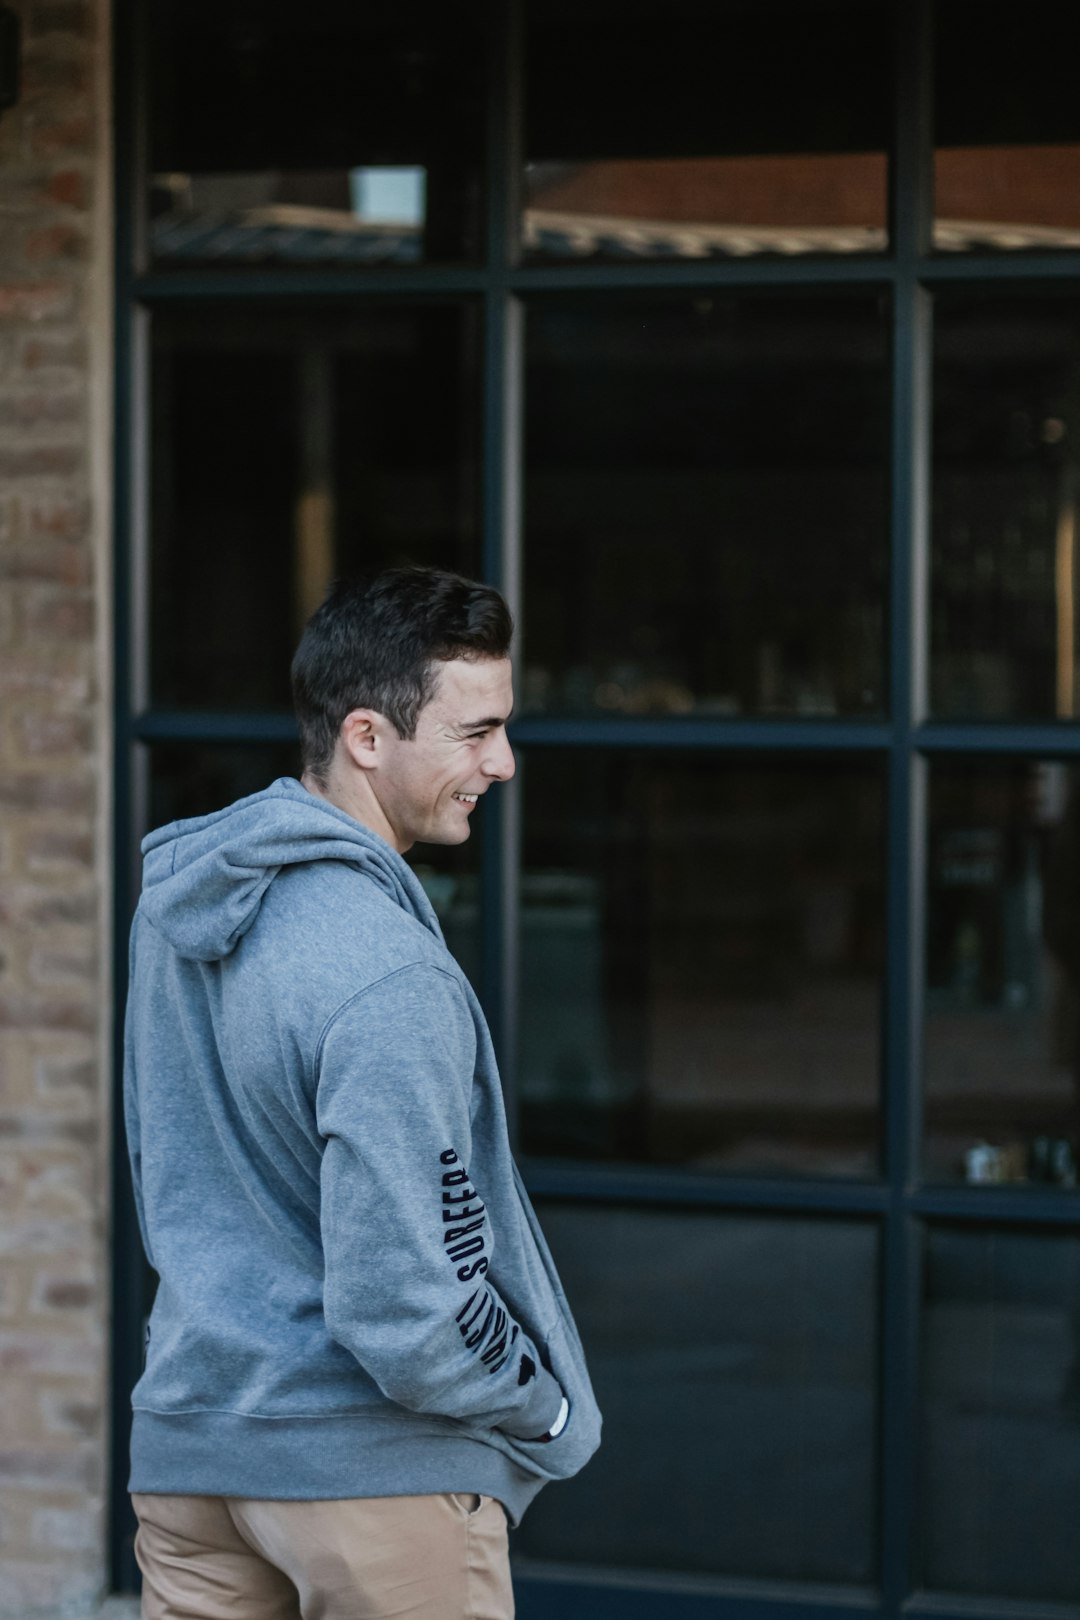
(428, 787)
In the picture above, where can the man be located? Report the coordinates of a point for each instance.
(360, 1362)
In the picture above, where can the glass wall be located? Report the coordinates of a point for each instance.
(739, 344)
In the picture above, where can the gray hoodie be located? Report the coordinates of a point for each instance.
(355, 1298)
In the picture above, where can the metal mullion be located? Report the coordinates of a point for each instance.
(213, 726)
(929, 1605)
(305, 286)
(128, 1268)
(1048, 739)
(704, 274)
(1021, 1205)
(691, 732)
(588, 1182)
(589, 1592)
(911, 212)
(501, 504)
(1002, 268)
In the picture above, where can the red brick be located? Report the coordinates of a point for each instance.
(55, 564)
(50, 136)
(41, 1353)
(44, 733)
(47, 791)
(21, 678)
(60, 517)
(62, 967)
(69, 187)
(58, 846)
(63, 1415)
(60, 615)
(37, 301)
(40, 460)
(65, 1074)
(55, 242)
(75, 1529)
(44, 1011)
(65, 1294)
(60, 17)
(38, 909)
(54, 352)
(21, 1465)
(26, 189)
(40, 408)
(48, 1128)
(44, 69)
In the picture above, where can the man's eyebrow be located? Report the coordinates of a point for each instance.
(483, 725)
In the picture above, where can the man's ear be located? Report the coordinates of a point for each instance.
(360, 736)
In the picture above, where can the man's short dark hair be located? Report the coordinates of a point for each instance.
(375, 643)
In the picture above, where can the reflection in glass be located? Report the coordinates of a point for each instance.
(711, 936)
(1002, 1045)
(195, 779)
(1007, 165)
(288, 448)
(734, 1360)
(706, 505)
(326, 134)
(1000, 1436)
(1006, 431)
(677, 130)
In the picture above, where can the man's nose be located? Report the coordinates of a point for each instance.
(500, 762)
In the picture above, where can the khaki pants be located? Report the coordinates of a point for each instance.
(364, 1558)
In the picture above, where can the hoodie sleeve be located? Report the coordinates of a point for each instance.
(132, 1122)
(409, 1250)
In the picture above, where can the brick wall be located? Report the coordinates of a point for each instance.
(55, 360)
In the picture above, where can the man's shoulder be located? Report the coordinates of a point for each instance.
(330, 912)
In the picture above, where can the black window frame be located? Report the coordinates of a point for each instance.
(900, 1202)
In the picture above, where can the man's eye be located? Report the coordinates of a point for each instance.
(474, 734)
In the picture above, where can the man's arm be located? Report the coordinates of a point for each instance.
(407, 1238)
(132, 1123)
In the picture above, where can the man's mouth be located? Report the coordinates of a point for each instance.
(466, 798)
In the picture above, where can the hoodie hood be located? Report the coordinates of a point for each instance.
(204, 879)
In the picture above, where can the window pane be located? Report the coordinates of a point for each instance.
(328, 133)
(734, 1360)
(1002, 1049)
(1001, 1427)
(711, 934)
(1006, 432)
(1007, 166)
(194, 779)
(706, 506)
(290, 447)
(678, 130)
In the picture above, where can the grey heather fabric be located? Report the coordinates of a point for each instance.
(355, 1298)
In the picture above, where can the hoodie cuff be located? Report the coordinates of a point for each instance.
(540, 1411)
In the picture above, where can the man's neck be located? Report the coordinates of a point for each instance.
(362, 806)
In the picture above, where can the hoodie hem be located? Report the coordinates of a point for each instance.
(317, 1459)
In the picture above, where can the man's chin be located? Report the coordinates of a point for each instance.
(445, 836)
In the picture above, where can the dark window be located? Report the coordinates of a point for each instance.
(290, 448)
(681, 130)
(712, 933)
(328, 133)
(1001, 1434)
(706, 506)
(734, 1359)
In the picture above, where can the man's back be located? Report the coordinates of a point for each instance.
(361, 1364)
(279, 1098)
